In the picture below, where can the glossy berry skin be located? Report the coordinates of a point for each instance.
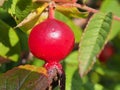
(106, 53)
(51, 40)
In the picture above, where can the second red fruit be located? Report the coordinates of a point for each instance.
(106, 53)
(51, 40)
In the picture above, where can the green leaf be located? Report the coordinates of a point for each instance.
(114, 7)
(22, 9)
(7, 18)
(73, 80)
(32, 18)
(23, 40)
(9, 42)
(98, 87)
(25, 12)
(71, 12)
(77, 30)
(37, 62)
(92, 40)
(10, 6)
(19, 9)
(24, 78)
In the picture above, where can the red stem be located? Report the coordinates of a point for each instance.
(51, 10)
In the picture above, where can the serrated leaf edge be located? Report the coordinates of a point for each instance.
(89, 68)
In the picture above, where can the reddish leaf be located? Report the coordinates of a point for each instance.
(25, 77)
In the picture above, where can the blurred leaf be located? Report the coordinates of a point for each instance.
(19, 9)
(114, 63)
(114, 7)
(117, 87)
(32, 18)
(25, 12)
(84, 1)
(92, 41)
(7, 18)
(23, 40)
(24, 78)
(10, 6)
(71, 67)
(37, 62)
(9, 42)
(71, 12)
(77, 30)
(98, 87)
(73, 80)
(23, 8)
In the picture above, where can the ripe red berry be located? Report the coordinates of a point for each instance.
(106, 53)
(51, 40)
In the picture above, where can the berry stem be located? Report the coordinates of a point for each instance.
(56, 74)
(51, 10)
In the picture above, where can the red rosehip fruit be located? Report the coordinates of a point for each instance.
(51, 40)
(106, 53)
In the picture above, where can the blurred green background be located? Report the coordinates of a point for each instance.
(14, 49)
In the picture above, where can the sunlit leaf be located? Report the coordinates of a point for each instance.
(24, 78)
(10, 6)
(9, 42)
(32, 18)
(37, 62)
(92, 41)
(98, 87)
(19, 9)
